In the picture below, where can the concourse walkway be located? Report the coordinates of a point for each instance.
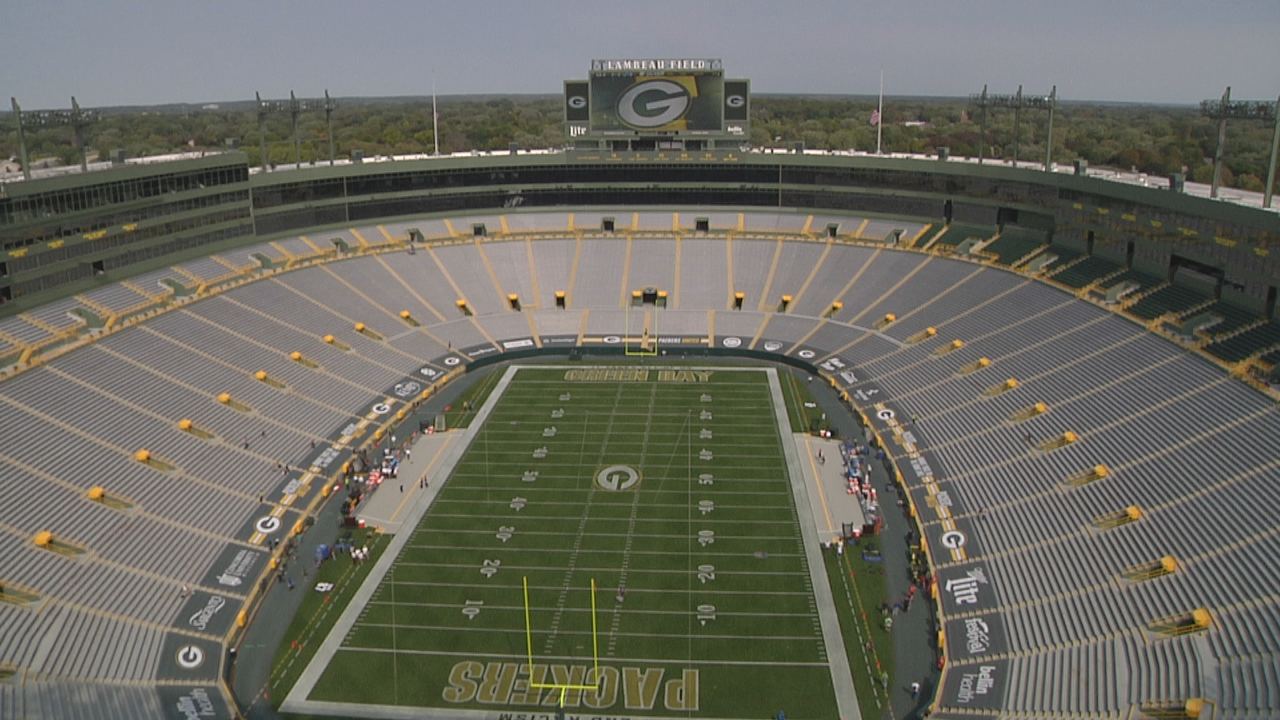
(914, 632)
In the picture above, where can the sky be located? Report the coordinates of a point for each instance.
(143, 52)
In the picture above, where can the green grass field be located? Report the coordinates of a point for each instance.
(673, 487)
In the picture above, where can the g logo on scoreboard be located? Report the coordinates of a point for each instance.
(737, 99)
(653, 103)
(576, 93)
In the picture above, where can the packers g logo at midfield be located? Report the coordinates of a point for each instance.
(653, 103)
(617, 477)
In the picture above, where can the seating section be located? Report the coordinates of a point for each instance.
(956, 233)
(1064, 256)
(1137, 281)
(1013, 246)
(115, 298)
(1190, 446)
(1085, 272)
(1128, 395)
(1232, 318)
(17, 329)
(1262, 338)
(1168, 299)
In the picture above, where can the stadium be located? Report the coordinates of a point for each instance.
(618, 356)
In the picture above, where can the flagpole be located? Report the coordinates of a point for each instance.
(435, 116)
(880, 111)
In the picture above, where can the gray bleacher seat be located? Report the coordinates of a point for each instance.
(598, 283)
(704, 282)
(553, 261)
(652, 264)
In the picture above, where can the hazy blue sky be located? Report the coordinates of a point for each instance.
(118, 52)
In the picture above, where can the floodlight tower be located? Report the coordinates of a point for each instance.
(1242, 110)
(265, 108)
(1017, 123)
(1017, 101)
(79, 120)
(329, 106)
(22, 139)
(1052, 100)
(75, 117)
(981, 102)
(295, 108)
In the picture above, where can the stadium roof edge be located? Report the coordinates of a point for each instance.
(1237, 206)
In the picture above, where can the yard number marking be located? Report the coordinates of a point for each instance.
(472, 608)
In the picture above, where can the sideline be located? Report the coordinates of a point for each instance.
(296, 701)
(832, 638)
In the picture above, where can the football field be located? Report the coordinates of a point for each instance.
(619, 540)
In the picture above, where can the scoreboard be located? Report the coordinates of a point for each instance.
(657, 98)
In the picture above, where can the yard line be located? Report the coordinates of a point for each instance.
(788, 615)
(656, 518)
(648, 506)
(648, 536)
(481, 586)
(582, 551)
(548, 476)
(736, 523)
(584, 633)
(570, 658)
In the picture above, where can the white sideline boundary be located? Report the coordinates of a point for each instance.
(296, 701)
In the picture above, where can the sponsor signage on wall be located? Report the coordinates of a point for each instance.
(979, 685)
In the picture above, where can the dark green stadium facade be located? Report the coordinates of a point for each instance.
(66, 235)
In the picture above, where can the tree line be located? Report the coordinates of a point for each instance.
(1154, 139)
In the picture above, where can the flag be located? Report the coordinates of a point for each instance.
(875, 117)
